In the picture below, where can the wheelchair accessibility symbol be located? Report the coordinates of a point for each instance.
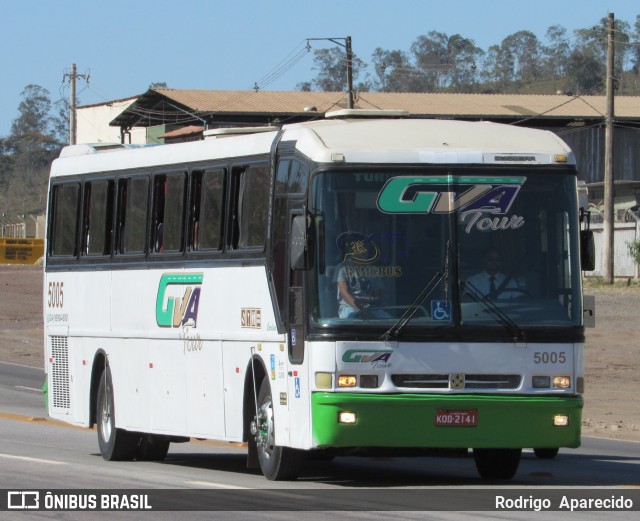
(440, 310)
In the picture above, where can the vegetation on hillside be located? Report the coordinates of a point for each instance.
(521, 63)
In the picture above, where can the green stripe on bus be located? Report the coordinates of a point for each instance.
(409, 420)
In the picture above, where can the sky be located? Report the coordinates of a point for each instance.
(124, 46)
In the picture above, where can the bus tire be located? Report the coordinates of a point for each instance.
(152, 448)
(546, 453)
(276, 463)
(115, 444)
(497, 463)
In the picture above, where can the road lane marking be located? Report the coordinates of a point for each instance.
(40, 419)
(215, 485)
(23, 365)
(32, 389)
(33, 460)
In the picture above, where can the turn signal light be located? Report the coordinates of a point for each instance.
(347, 381)
(561, 382)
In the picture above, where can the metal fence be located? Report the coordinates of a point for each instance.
(21, 227)
(623, 263)
(12, 229)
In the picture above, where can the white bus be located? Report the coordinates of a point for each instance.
(316, 289)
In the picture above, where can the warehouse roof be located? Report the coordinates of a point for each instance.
(175, 106)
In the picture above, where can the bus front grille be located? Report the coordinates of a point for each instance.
(470, 381)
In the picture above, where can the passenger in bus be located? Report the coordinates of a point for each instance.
(491, 282)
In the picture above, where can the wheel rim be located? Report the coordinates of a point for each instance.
(106, 415)
(265, 437)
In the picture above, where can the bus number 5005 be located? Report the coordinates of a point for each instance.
(56, 295)
(549, 358)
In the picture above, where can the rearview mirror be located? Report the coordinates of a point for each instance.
(587, 251)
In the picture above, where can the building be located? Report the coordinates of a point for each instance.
(172, 115)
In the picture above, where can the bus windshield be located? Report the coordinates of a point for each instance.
(449, 247)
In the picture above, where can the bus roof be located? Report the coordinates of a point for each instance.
(355, 140)
(426, 141)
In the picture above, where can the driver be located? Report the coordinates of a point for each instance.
(356, 290)
(491, 282)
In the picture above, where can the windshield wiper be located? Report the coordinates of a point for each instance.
(494, 311)
(395, 330)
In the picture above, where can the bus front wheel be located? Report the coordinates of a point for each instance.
(152, 448)
(115, 444)
(546, 453)
(276, 462)
(497, 463)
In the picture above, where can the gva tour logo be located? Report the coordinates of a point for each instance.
(378, 358)
(479, 196)
(178, 299)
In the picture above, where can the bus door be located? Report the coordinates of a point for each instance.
(287, 278)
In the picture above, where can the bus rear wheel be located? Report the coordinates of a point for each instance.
(276, 462)
(497, 463)
(115, 444)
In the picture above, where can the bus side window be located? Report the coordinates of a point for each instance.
(251, 198)
(208, 190)
(133, 196)
(167, 228)
(97, 228)
(157, 222)
(86, 220)
(64, 224)
(212, 209)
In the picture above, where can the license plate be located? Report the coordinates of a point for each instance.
(456, 418)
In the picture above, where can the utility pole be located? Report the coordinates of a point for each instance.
(347, 47)
(349, 73)
(608, 230)
(73, 77)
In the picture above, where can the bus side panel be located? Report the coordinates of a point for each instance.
(235, 359)
(168, 392)
(129, 361)
(204, 384)
(77, 318)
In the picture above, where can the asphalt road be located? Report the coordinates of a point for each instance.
(36, 454)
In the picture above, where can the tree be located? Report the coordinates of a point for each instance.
(28, 152)
(445, 62)
(496, 67)
(331, 65)
(585, 71)
(431, 57)
(591, 45)
(60, 120)
(395, 73)
(523, 50)
(556, 54)
(464, 56)
(34, 109)
(636, 46)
